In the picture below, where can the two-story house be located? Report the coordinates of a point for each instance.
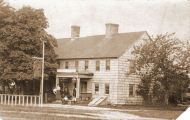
(100, 66)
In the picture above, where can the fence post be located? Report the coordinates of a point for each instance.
(12, 99)
(39, 103)
(1, 99)
(23, 100)
(8, 99)
(31, 100)
(15, 99)
(19, 100)
(27, 100)
(5, 99)
(35, 100)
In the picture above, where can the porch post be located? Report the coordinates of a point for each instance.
(78, 88)
(57, 81)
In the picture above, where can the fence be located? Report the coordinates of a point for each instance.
(27, 100)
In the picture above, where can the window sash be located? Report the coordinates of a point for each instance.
(107, 64)
(86, 65)
(131, 89)
(66, 65)
(59, 64)
(96, 87)
(76, 64)
(107, 87)
(97, 65)
(132, 66)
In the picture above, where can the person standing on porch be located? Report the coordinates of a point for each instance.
(65, 95)
(1, 89)
(58, 94)
(74, 94)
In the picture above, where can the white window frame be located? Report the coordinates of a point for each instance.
(96, 84)
(133, 90)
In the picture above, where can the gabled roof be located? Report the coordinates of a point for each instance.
(96, 46)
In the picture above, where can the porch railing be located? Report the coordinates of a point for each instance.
(27, 100)
(85, 96)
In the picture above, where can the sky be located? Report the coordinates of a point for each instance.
(153, 16)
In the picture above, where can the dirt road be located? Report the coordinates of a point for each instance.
(66, 112)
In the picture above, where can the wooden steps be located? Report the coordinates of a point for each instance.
(97, 101)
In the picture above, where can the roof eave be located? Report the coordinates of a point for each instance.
(87, 58)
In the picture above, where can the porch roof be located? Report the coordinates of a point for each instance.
(74, 74)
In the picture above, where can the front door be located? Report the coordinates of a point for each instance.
(83, 87)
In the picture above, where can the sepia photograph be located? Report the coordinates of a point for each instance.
(94, 60)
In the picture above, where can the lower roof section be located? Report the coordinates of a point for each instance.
(72, 73)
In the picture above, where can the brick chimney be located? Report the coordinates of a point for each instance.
(75, 32)
(111, 29)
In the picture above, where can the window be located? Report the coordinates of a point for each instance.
(132, 66)
(96, 88)
(83, 88)
(131, 89)
(97, 65)
(59, 64)
(107, 64)
(66, 65)
(76, 64)
(107, 87)
(86, 65)
(188, 90)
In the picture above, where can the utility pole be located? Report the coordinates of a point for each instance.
(41, 93)
(42, 80)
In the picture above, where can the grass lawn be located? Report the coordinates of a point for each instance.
(166, 112)
(44, 113)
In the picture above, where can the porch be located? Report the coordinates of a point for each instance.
(76, 83)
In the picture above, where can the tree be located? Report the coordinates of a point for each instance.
(21, 34)
(162, 62)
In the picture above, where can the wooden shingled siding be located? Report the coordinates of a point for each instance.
(125, 78)
(104, 77)
(101, 77)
